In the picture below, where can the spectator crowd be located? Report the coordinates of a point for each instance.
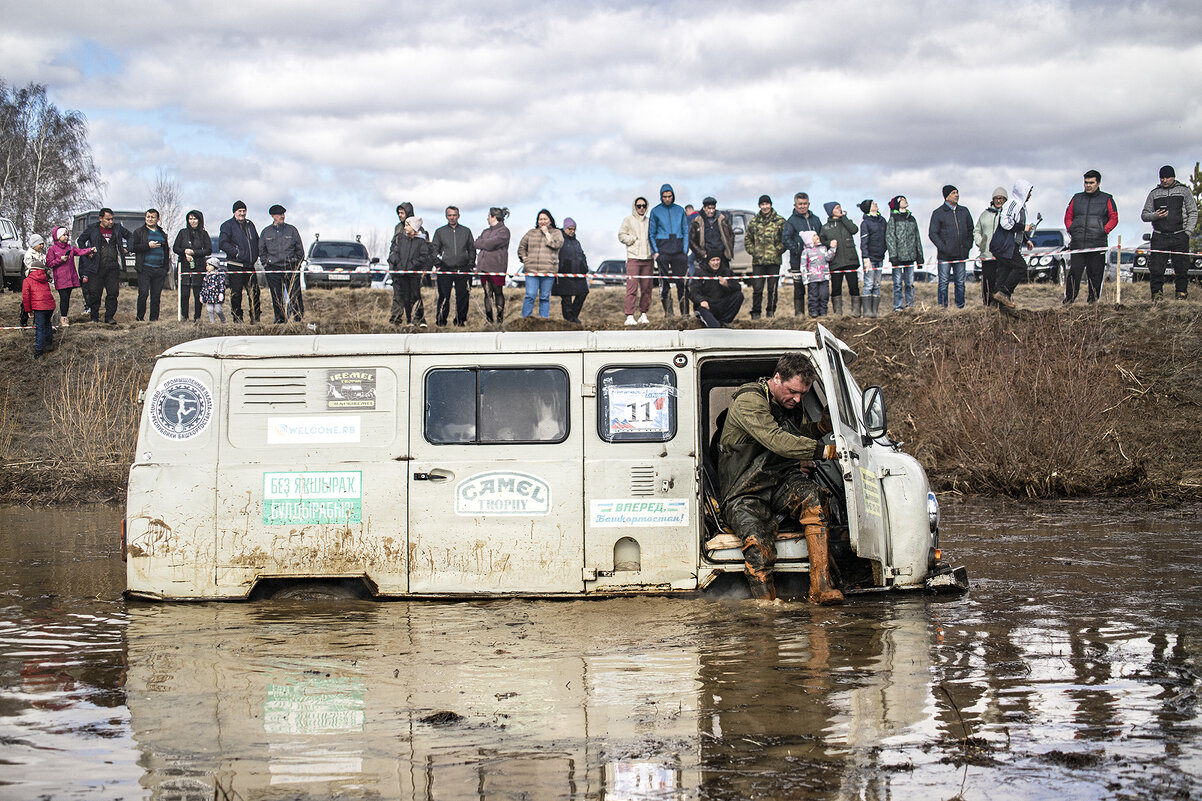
(688, 251)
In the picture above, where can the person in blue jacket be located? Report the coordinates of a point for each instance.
(668, 231)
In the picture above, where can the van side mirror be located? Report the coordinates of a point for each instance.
(375, 259)
(874, 413)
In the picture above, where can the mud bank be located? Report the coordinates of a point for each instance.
(1054, 402)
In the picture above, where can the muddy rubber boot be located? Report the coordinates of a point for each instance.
(822, 592)
(758, 562)
(868, 312)
(876, 306)
(837, 304)
(856, 305)
(667, 302)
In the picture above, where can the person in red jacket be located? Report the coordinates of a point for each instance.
(37, 300)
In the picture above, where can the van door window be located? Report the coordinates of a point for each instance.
(494, 406)
(847, 409)
(636, 404)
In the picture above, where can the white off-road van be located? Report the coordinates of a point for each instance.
(485, 464)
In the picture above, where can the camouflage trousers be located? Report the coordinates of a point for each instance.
(752, 516)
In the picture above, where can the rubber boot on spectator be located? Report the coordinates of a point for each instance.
(798, 305)
(684, 306)
(837, 304)
(667, 301)
(822, 591)
(875, 303)
(856, 305)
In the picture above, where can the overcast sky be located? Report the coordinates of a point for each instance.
(340, 111)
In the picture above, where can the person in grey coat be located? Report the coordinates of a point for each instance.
(281, 251)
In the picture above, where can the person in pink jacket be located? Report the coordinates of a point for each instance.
(60, 261)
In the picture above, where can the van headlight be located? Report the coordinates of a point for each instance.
(933, 512)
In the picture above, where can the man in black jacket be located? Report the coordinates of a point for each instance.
(454, 250)
(1173, 212)
(152, 262)
(240, 241)
(101, 273)
(1090, 217)
(282, 252)
(801, 220)
(951, 232)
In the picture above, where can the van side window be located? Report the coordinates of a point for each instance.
(636, 404)
(847, 409)
(486, 406)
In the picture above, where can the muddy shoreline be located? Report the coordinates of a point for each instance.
(1057, 402)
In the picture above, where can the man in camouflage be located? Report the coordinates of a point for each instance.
(764, 242)
(765, 456)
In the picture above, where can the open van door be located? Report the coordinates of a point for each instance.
(866, 519)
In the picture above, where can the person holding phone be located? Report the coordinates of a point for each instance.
(1173, 212)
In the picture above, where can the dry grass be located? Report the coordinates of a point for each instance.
(1057, 401)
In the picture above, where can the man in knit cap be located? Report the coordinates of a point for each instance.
(1173, 212)
(951, 232)
(982, 233)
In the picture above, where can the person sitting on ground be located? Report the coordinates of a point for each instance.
(766, 456)
(716, 293)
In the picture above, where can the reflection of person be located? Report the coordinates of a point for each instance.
(1173, 212)
(717, 295)
(765, 451)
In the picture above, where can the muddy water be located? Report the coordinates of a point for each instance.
(1070, 671)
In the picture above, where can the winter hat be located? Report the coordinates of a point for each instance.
(35, 240)
(216, 262)
(238, 204)
(1000, 191)
(765, 199)
(895, 202)
(568, 222)
(277, 209)
(414, 222)
(810, 237)
(57, 232)
(709, 201)
(830, 208)
(1167, 171)
(865, 205)
(948, 189)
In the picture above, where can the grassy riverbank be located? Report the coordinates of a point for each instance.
(1058, 401)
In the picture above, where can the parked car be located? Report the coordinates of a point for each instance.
(1048, 259)
(611, 272)
(336, 262)
(1140, 267)
(741, 261)
(131, 220)
(11, 256)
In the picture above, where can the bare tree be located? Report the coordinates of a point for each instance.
(165, 196)
(46, 168)
(377, 244)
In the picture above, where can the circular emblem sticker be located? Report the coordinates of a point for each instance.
(181, 408)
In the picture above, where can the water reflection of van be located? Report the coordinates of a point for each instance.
(577, 463)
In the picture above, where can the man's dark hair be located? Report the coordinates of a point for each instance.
(1097, 176)
(155, 212)
(801, 196)
(796, 364)
(399, 206)
(104, 211)
(452, 208)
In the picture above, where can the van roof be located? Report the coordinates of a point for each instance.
(263, 347)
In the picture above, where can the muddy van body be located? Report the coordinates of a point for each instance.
(482, 464)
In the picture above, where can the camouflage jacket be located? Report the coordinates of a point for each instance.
(764, 240)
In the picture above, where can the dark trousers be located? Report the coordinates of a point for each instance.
(407, 300)
(242, 278)
(571, 306)
(280, 281)
(1158, 263)
(493, 296)
(150, 288)
(64, 301)
(43, 333)
(988, 281)
(673, 267)
(799, 290)
(820, 295)
(765, 277)
(721, 313)
(445, 284)
(853, 281)
(186, 291)
(106, 282)
(1093, 265)
(1010, 272)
